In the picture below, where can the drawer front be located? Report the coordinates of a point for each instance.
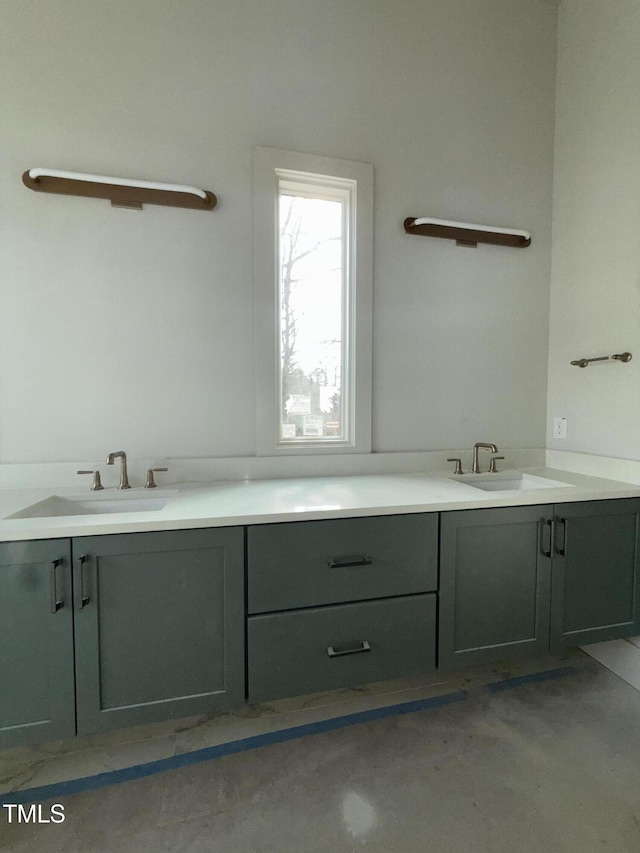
(332, 647)
(309, 563)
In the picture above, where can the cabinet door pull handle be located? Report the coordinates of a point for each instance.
(551, 524)
(363, 647)
(81, 598)
(56, 604)
(345, 562)
(563, 550)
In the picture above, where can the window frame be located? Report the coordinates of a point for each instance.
(271, 166)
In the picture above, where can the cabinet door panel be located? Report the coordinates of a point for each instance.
(161, 634)
(36, 644)
(595, 581)
(494, 585)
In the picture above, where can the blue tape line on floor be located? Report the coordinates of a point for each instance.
(534, 678)
(59, 790)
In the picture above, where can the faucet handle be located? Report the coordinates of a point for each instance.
(492, 464)
(458, 468)
(151, 483)
(96, 485)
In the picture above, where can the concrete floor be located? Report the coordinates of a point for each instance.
(549, 766)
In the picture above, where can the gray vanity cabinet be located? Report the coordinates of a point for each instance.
(342, 602)
(495, 577)
(595, 586)
(522, 580)
(159, 626)
(36, 642)
(101, 632)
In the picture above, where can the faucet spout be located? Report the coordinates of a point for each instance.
(475, 468)
(122, 456)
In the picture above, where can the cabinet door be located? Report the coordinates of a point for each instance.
(159, 626)
(595, 572)
(36, 642)
(494, 584)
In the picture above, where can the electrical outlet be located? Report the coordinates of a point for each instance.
(559, 427)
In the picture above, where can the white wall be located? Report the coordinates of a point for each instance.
(595, 295)
(128, 329)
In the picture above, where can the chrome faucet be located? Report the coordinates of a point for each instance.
(124, 480)
(475, 468)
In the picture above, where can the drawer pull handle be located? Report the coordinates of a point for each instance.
(56, 604)
(345, 562)
(363, 647)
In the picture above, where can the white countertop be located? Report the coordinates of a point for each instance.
(223, 504)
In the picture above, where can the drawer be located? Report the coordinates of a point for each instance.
(331, 647)
(309, 563)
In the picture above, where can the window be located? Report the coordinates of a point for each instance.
(313, 303)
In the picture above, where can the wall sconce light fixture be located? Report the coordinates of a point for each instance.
(466, 233)
(122, 192)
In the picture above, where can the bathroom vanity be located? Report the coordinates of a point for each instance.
(140, 624)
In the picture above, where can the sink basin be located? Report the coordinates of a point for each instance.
(508, 481)
(56, 506)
